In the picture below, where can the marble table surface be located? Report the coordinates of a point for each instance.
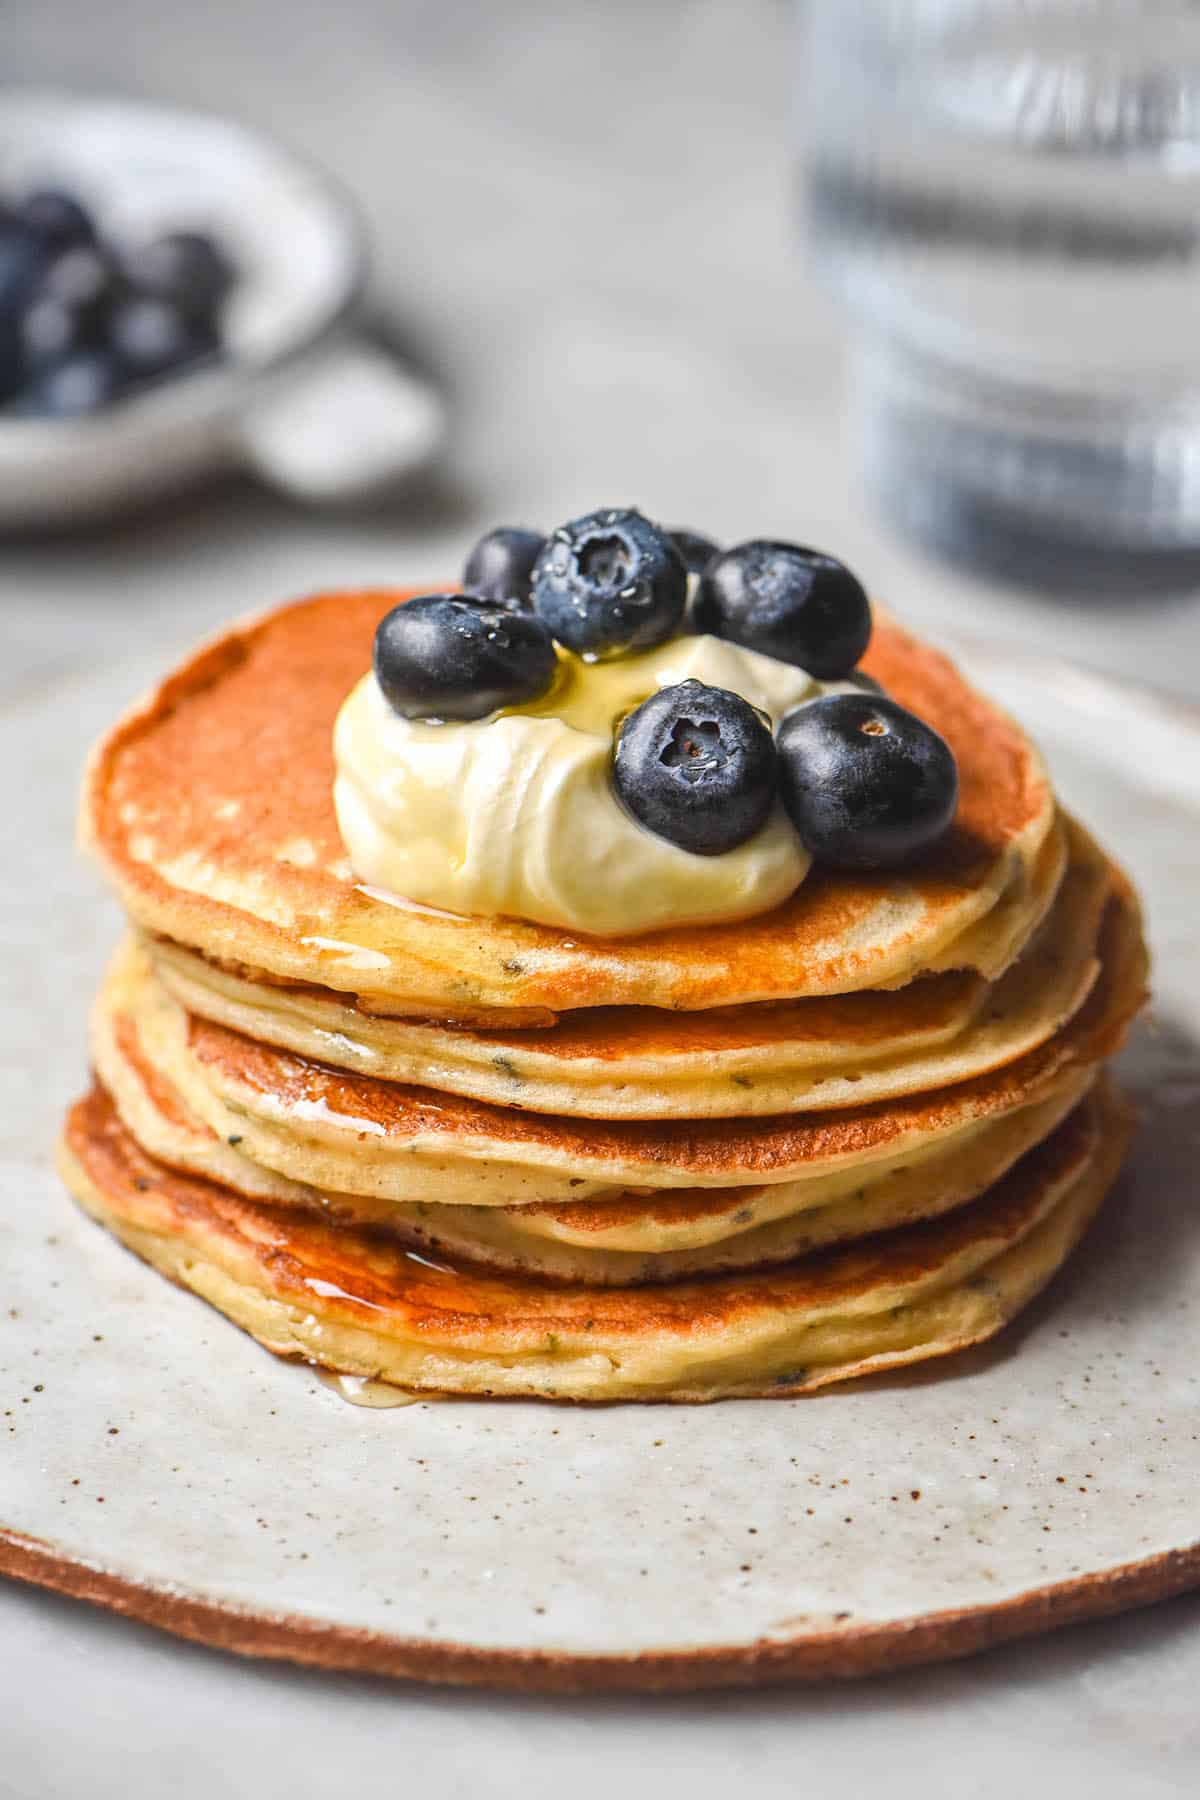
(582, 217)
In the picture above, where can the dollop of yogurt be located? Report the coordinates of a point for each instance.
(515, 814)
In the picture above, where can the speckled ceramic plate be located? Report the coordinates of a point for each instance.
(154, 1460)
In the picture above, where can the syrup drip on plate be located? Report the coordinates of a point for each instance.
(360, 1390)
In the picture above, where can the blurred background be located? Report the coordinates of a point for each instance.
(585, 236)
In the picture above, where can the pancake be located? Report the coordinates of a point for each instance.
(347, 1133)
(631, 1240)
(350, 1301)
(210, 807)
(645, 1063)
(566, 1243)
(155, 1113)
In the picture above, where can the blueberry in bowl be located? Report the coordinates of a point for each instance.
(866, 783)
(797, 605)
(696, 765)
(22, 262)
(188, 270)
(50, 330)
(74, 387)
(54, 219)
(308, 407)
(609, 583)
(445, 656)
(83, 276)
(152, 338)
(89, 321)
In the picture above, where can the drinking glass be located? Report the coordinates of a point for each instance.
(1005, 197)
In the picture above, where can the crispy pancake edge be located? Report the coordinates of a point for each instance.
(706, 1229)
(218, 1070)
(923, 1291)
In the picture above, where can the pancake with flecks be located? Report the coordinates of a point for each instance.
(349, 1300)
(349, 1133)
(634, 1238)
(210, 807)
(646, 1062)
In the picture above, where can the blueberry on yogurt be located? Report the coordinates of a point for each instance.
(610, 583)
(696, 765)
(446, 657)
(865, 782)
(501, 564)
(788, 602)
(696, 550)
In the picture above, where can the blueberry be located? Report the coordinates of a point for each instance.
(858, 678)
(446, 657)
(188, 268)
(696, 550)
(858, 682)
(609, 583)
(152, 337)
(22, 263)
(865, 783)
(696, 765)
(500, 565)
(793, 604)
(55, 219)
(71, 389)
(50, 329)
(70, 306)
(84, 279)
(12, 366)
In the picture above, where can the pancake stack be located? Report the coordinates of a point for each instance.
(481, 1156)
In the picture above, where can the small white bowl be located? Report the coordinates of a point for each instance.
(295, 396)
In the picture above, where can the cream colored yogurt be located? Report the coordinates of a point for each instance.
(515, 814)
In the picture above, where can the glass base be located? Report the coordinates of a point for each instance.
(983, 467)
